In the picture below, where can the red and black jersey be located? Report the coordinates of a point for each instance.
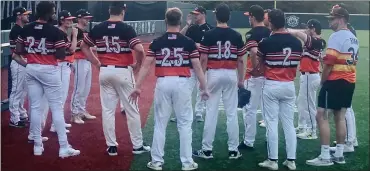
(252, 38)
(69, 56)
(114, 41)
(223, 46)
(281, 53)
(13, 36)
(40, 41)
(310, 61)
(80, 37)
(173, 52)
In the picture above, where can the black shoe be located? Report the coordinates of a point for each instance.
(243, 146)
(143, 149)
(203, 154)
(19, 124)
(234, 154)
(24, 119)
(112, 150)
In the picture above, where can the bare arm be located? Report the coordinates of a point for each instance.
(299, 34)
(198, 72)
(148, 62)
(188, 22)
(240, 69)
(89, 54)
(325, 72)
(204, 61)
(73, 47)
(18, 58)
(253, 55)
(139, 54)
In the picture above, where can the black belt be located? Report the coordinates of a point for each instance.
(304, 73)
(174, 76)
(114, 66)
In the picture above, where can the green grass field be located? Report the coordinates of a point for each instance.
(306, 149)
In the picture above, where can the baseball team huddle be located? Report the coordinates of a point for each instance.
(209, 59)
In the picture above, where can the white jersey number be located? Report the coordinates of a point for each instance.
(227, 52)
(176, 53)
(354, 56)
(41, 48)
(287, 52)
(116, 48)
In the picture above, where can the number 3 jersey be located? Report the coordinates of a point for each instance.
(281, 53)
(172, 53)
(342, 52)
(223, 46)
(114, 41)
(40, 41)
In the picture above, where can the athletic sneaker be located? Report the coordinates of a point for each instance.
(68, 152)
(290, 165)
(86, 115)
(173, 119)
(243, 146)
(192, 166)
(234, 154)
(339, 160)
(154, 166)
(77, 119)
(112, 150)
(355, 143)
(348, 148)
(52, 129)
(19, 124)
(318, 161)
(38, 150)
(199, 118)
(271, 165)
(206, 154)
(307, 136)
(299, 130)
(141, 150)
(263, 125)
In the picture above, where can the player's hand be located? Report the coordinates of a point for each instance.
(134, 95)
(204, 95)
(189, 19)
(74, 32)
(135, 68)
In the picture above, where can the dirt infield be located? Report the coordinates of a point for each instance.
(17, 154)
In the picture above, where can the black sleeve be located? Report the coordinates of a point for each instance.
(131, 36)
(240, 45)
(193, 50)
(59, 39)
(262, 46)
(205, 44)
(91, 37)
(314, 43)
(151, 50)
(194, 33)
(13, 36)
(251, 40)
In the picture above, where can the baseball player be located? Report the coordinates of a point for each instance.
(254, 76)
(172, 54)
(42, 44)
(281, 53)
(338, 82)
(222, 50)
(18, 115)
(114, 40)
(82, 74)
(309, 79)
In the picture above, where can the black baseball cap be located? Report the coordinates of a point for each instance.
(82, 13)
(199, 10)
(20, 10)
(313, 23)
(256, 11)
(65, 15)
(338, 12)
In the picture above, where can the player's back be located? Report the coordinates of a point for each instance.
(313, 48)
(173, 52)
(41, 41)
(223, 46)
(114, 41)
(282, 53)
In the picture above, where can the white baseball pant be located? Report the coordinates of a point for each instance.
(44, 114)
(221, 83)
(306, 102)
(117, 84)
(351, 125)
(18, 92)
(253, 84)
(45, 80)
(200, 105)
(278, 104)
(82, 85)
(173, 92)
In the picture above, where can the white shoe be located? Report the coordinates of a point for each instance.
(38, 150)
(318, 161)
(263, 125)
(355, 143)
(43, 139)
(87, 116)
(68, 125)
(77, 119)
(271, 165)
(299, 130)
(68, 152)
(261, 121)
(173, 119)
(307, 136)
(290, 165)
(154, 166)
(348, 148)
(52, 129)
(141, 150)
(192, 166)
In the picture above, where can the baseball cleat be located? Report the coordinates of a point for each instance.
(205, 154)
(19, 124)
(68, 125)
(261, 121)
(88, 116)
(173, 119)
(318, 161)
(347, 148)
(154, 166)
(271, 165)
(141, 150)
(243, 146)
(77, 119)
(290, 165)
(355, 143)
(38, 150)
(52, 129)
(192, 166)
(234, 154)
(68, 152)
(263, 125)
(339, 160)
(299, 130)
(112, 150)
(199, 119)
(307, 136)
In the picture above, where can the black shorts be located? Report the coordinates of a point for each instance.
(336, 94)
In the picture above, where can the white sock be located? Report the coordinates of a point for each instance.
(325, 152)
(339, 150)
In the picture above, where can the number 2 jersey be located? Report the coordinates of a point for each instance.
(40, 41)
(281, 53)
(342, 51)
(173, 53)
(114, 41)
(223, 47)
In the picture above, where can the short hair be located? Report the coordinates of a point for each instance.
(116, 8)
(173, 16)
(44, 9)
(222, 13)
(277, 18)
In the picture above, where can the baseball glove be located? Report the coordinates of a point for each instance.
(244, 96)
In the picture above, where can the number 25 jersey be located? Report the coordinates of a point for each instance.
(223, 47)
(114, 41)
(172, 53)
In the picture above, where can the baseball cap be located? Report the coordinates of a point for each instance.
(313, 23)
(82, 13)
(20, 10)
(255, 10)
(65, 15)
(199, 10)
(338, 12)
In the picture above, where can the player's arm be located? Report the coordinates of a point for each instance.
(135, 44)
(198, 69)
(331, 55)
(73, 46)
(302, 35)
(19, 50)
(204, 50)
(86, 47)
(59, 45)
(188, 22)
(147, 63)
(240, 67)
